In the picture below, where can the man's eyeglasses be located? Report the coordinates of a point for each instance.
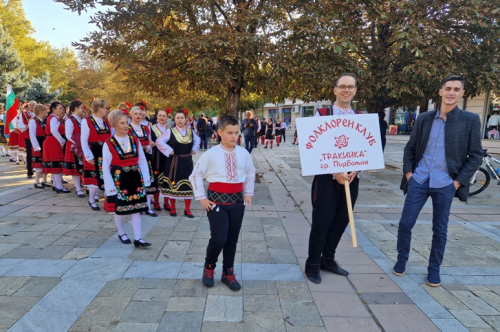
(346, 87)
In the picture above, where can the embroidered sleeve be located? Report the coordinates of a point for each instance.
(143, 165)
(54, 130)
(69, 128)
(196, 178)
(85, 141)
(34, 141)
(249, 185)
(161, 143)
(196, 142)
(109, 184)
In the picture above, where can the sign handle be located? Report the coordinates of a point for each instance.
(349, 210)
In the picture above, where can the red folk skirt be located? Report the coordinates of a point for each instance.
(52, 156)
(14, 141)
(36, 156)
(22, 145)
(92, 174)
(73, 165)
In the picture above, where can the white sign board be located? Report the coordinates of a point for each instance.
(333, 144)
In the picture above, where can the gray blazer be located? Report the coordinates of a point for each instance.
(462, 146)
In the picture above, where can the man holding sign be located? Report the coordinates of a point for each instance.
(330, 214)
(441, 156)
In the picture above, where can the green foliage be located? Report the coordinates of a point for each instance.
(41, 91)
(11, 67)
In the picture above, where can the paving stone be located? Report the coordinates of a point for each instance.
(158, 284)
(162, 270)
(494, 321)
(175, 250)
(120, 288)
(266, 303)
(10, 285)
(263, 321)
(446, 299)
(402, 317)
(285, 272)
(37, 286)
(103, 269)
(476, 304)
(374, 283)
(251, 287)
(301, 312)
(186, 304)
(102, 314)
(386, 298)
(156, 295)
(14, 308)
(189, 288)
(450, 325)
(22, 253)
(221, 326)
(78, 253)
(469, 319)
(134, 327)
(220, 308)
(293, 290)
(43, 322)
(181, 321)
(143, 312)
(350, 324)
(343, 305)
(429, 306)
(489, 297)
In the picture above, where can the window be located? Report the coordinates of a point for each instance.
(307, 111)
(272, 114)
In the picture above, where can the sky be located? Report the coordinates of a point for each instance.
(55, 24)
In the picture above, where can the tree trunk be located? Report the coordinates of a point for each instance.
(233, 97)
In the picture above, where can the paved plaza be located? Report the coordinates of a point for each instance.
(62, 267)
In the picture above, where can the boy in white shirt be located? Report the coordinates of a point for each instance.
(230, 172)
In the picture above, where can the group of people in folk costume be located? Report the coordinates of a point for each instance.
(135, 162)
(271, 131)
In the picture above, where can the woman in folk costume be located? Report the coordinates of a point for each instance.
(277, 131)
(95, 131)
(125, 107)
(125, 172)
(73, 163)
(37, 137)
(14, 137)
(159, 159)
(22, 124)
(53, 146)
(144, 135)
(178, 145)
(270, 132)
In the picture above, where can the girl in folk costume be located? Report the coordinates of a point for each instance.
(22, 125)
(37, 137)
(53, 146)
(144, 135)
(73, 163)
(277, 131)
(270, 131)
(3, 139)
(178, 145)
(124, 180)
(14, 136)
(295, 138)
(263, 127)
(95, 131)
(159, 159)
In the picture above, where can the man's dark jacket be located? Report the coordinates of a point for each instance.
(462, 146)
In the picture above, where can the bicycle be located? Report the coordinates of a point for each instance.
(481, 179)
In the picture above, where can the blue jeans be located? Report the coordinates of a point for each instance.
(249, 143)
(203, 142)
(441, 203)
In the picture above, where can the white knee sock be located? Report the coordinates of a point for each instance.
(44, 177)
(136, 225)
(92, 194)
(57, 180)
(76, 182)
(119, 221)
(37, 175)
(149, 201)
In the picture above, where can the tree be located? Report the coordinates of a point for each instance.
(39, 57)
(11, 67)
(402, 50)
(212, 47)
(41, 91)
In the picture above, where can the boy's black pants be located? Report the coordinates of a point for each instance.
(225, 228)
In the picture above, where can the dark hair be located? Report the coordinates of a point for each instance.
(74, 104)
(346, 74)
(227, 120)
(381, 115)
(454, 78)
(180, 112)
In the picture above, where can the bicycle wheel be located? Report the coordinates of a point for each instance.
(479, 182)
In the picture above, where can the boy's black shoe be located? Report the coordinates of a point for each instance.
(208, 276)
(334, 268)
(229, 278)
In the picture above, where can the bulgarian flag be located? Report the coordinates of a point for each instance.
(11, 107)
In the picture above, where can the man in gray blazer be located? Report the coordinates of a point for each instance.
(440, 158)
